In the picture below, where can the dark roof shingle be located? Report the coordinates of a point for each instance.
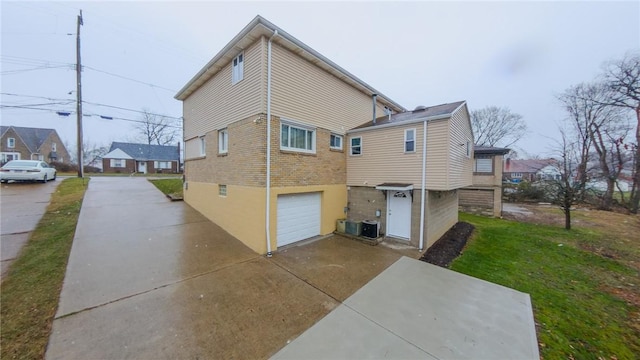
(33, 137)
(148, 152)
(428, 112)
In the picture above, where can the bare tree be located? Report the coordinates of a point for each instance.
(596, 124)
(623, 80)
(497, 126)
(157, 129)
(570, 187)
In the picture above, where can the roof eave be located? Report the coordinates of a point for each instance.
(400, 123)
(259, 26)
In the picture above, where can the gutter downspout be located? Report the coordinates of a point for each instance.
(268, 184)
(424, 182)
(374, 98)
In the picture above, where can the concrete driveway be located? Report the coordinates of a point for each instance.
(21, 208)
(152, 279)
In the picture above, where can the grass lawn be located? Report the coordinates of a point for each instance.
(31, 290)
(585, 300)
(169, 186)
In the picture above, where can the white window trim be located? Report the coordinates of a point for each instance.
(468, 149)
(341, 142)
(476, 169)
(237, 71)
(223, 141)
(351, 146)
(293, 124)
(11, 143)
(203, 146)
(118, 163)
(406, 131)
(54, 147)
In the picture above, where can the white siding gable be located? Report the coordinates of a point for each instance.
(117, 154)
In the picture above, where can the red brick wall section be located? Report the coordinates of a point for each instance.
(128, 169)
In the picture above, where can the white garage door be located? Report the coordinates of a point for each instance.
(298, 217)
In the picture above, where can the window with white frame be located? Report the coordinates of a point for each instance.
(483, 164)
(516, 175)
(468, 149)
(162, 164)
(297, 138)
(335, 142)
(237, 70)
(8, 156)
(222, 190)
(11, 143)
(203, 146)
(356, 146)
(118, 163)
(410, 140)
(54, 147)
(223, 141)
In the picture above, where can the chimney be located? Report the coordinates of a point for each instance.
(373, 97)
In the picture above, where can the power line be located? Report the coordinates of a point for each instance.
(130, 79)
(96, 104)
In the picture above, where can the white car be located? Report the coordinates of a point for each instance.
(27, 170)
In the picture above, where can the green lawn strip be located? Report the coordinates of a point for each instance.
(31, 289)
(575, 316)
(169, 186)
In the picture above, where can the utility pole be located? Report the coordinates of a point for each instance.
(79, 98)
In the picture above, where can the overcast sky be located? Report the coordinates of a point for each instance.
(137, 55)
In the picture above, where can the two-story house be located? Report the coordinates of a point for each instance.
(404, 171)
(270, 127)
(31, 144)
(484, 196)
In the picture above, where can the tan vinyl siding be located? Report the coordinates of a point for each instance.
(301, 90)
(383, 158)
(437, 154)
(218, 103)
(460, 170)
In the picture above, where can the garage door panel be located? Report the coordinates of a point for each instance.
(298, 217)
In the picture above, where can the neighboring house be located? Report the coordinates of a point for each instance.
(266, 92)
(142, 158)
(388, 173)
(530, 170)
(31, 144)
(484, 196)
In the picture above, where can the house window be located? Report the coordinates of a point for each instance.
(297, 138)
(162, 164)
(54, 147)
(410, 140)
(223, 141)
(8, 156)
(483, 164)
(222, 190)
(118, 163)
(516, 175)
(335, 142)
(203, 146)
(468, 150)
(11, 143)
(356, 146)
(237, 72)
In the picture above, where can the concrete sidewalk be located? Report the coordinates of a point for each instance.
(149, 278)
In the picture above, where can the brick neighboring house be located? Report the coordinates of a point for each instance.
(31, 144)
(266, 125)
(530, 170)
(142, 158)
(484, 196)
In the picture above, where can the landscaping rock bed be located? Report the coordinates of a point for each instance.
(449, 246)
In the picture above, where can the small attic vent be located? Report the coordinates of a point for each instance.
(419, 107)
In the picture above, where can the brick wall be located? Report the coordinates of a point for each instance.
(61, 151)
(20, 147)
(363, 203)
(245, 162)
(130, 166)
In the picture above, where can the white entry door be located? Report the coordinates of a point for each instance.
(142, 167)
(399, 214)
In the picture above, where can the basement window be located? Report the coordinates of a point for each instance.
(222, 190)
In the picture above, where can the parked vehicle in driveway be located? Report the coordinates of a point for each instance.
(27, 170)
